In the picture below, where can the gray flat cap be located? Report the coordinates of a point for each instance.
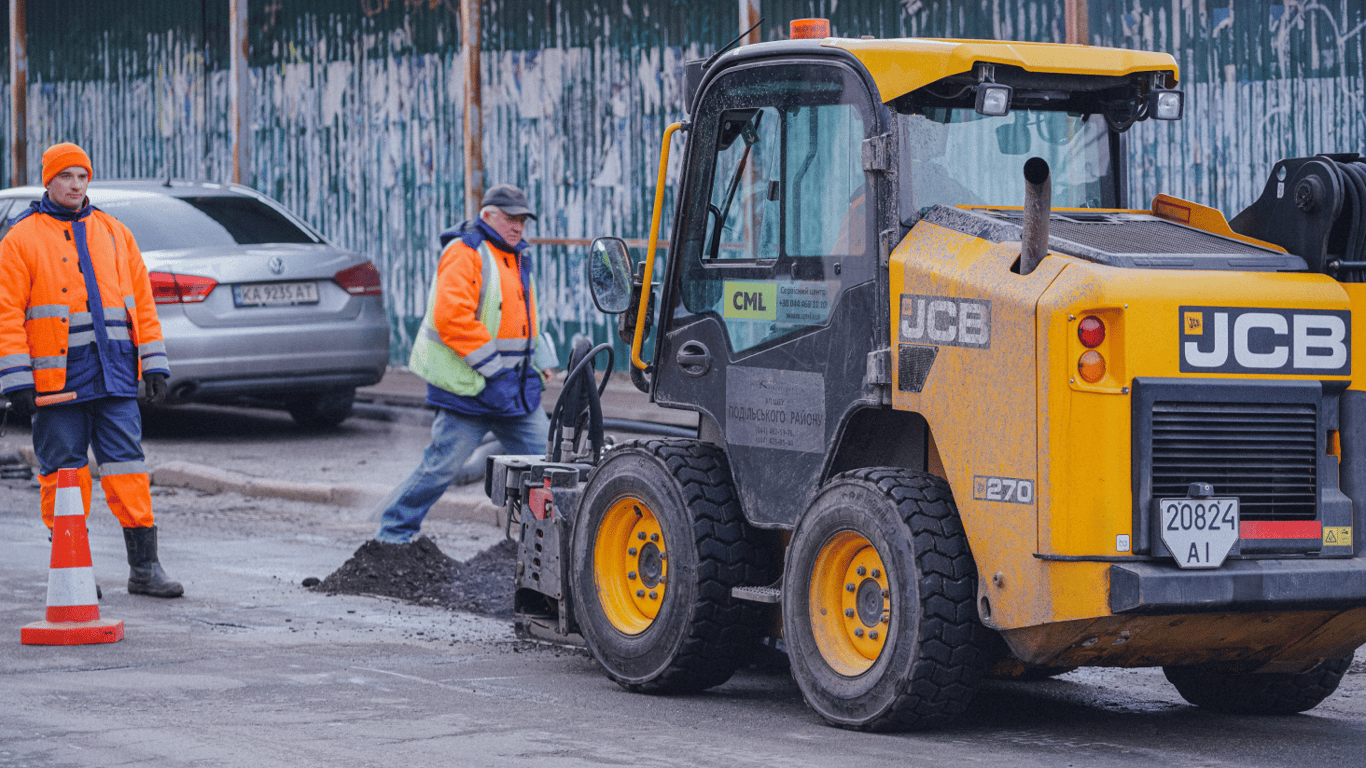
(508, 199)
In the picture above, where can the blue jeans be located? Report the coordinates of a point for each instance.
(454, 438)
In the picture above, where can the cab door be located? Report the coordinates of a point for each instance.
(773, 306)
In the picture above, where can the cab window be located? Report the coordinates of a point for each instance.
(779, 223)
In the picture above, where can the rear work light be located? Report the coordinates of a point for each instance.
(360, 280)
(1091, 331)
(180, 289)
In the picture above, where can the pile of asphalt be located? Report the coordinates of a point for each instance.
(419, 572)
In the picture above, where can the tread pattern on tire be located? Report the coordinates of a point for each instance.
(954, 643)
(1265, 694)
(722, 630)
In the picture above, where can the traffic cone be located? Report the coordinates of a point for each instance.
(73, 611)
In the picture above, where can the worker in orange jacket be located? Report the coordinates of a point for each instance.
(480, 353)
(77, 316)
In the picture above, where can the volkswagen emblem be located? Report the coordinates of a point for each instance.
(276, 265)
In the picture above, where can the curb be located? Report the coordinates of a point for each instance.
(454, 505)
(465, 503)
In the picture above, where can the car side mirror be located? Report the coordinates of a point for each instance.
(609, 275)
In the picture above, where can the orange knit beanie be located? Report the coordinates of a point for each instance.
(59, 157)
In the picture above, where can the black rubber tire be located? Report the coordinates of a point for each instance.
(935, 647)
(321, 410)
(700, 635)
(1250, 694)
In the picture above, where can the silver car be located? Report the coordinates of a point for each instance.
(257, 308)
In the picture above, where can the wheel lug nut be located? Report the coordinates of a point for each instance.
(860, 570)
(884, 593)
(631, 551)
(877, 574)
(654, 537)
(849, 587)
(886, 618)
(849, 612)
(654, 595)
(858, 632)
(641, 535)
(640, 593)
(631, 575)
(872, 634)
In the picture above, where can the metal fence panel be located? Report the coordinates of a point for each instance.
(356, 108)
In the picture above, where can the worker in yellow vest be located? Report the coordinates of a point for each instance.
(478, 352)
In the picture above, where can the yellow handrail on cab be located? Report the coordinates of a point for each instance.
(646, 287)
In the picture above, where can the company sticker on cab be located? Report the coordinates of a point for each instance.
(787, 302)
(1261, 340)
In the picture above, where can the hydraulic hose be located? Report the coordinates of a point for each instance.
(592, 392)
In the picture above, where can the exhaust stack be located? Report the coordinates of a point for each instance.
(1038, 203)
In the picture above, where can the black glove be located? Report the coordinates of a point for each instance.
(155, 391)
(21, 402)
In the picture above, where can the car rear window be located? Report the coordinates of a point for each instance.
(170, 223)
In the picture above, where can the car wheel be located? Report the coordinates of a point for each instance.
(1243, 693)
(321, 410)
(659, 543)
(879, 603)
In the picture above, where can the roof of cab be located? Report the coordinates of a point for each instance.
(899, 66)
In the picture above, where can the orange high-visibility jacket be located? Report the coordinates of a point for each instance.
(43, 297)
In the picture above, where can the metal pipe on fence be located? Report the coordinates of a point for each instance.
(474, 117)
(18, 67)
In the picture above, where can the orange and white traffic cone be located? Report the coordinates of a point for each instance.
(73, 611)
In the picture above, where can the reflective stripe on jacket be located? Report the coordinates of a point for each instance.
(50, 338)
(469, 332)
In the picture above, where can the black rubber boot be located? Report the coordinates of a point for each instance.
(145, 576)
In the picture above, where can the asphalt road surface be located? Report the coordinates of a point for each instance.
(249, 669)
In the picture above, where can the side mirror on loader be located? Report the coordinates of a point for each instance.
(609, 275)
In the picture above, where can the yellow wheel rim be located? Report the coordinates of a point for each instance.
(851, 607)
(630, 565)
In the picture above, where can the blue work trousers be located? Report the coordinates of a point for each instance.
(64, 434)
(62, 438)
(454, 438)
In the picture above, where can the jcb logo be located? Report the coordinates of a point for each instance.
(945, 320)
(1248, 340)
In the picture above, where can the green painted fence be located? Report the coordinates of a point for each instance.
(355, 115)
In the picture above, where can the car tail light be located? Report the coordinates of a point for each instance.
(180, 289)
(360, 280)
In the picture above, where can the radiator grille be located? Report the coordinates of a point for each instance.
(1148, 235)
(1265, 454)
